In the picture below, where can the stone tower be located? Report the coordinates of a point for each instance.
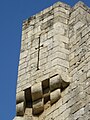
(54, 69)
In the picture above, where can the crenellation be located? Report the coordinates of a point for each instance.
(82, 5)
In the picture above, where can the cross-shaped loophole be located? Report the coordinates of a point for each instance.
(38, 48)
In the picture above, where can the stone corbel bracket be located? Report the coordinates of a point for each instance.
(42, 92)
(48, 90)
(57, 85)
(20, 103)
(37, 98)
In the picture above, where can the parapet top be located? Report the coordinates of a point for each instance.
(57, 4)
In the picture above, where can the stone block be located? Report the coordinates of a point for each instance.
(21, 72)
(36, 91)
(22, 66)
(38, 106)
(61, 38)
(23, 54)
(71, 56)
(20, 108)
(66, 79)
(63, 50)
(55, 83)
(28, 112)
(18, 118)
(54, 61)
(63, 63)
(78, 25)
(55, 96)
(88, 74)
(62, 108)
(58, 28)
(79, 113)
(55, 113)
(20, 97)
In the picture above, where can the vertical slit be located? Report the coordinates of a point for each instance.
(46, 91)
(38, 53)
(28, 98)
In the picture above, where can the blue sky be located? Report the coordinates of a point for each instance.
(12, 14)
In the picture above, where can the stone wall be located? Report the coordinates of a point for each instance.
(56, 86)
(79, 63)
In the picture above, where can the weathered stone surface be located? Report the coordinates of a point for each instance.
(20, 97)
(64, 64)
(36, 91)
(38, 106)
(55, 96)
(55, 82)
(18, 118)
(20, 108)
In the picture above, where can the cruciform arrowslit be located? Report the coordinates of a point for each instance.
(38, 48)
